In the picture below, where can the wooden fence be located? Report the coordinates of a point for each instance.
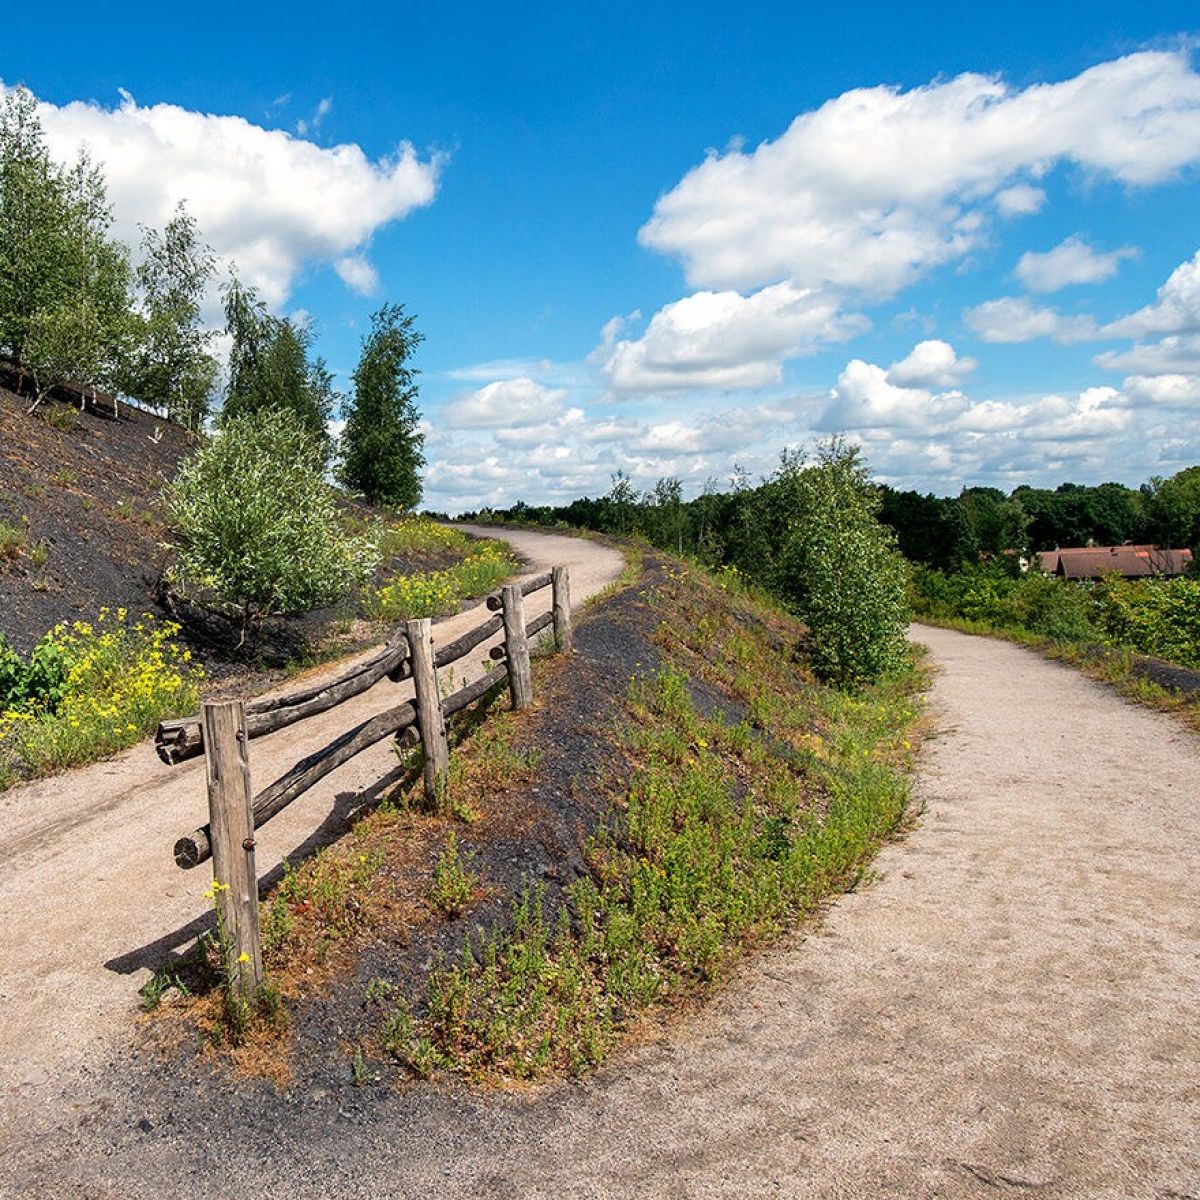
(223, 730)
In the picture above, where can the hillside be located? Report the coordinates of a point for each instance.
(79, 525)
(81, 528)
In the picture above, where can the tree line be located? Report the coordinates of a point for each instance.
(809, 533)
(76, 312)
(739, 526)
(984, 522)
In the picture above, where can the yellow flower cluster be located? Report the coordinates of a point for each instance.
(417, 536)
(122, 678)
(432, 593)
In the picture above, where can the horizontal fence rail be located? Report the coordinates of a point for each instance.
(181, 738)
(223, 729)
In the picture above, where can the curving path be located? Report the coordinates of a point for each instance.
(1010, 1009)
(89, 892)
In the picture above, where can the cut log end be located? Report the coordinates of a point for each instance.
(192, 850)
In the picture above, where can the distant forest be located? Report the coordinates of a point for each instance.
(734, 527)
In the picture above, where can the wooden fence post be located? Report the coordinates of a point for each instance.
(520, 676)
(235, 880)
(430, 721)
(563, 638)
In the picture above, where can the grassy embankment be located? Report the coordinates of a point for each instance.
(736, 794)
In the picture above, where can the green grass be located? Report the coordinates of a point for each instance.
(13, 540)
(725, 836)
(120, 676)
(721, 835)
(419, 537)
(453, 880)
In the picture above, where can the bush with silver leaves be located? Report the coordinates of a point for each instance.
(255, 524)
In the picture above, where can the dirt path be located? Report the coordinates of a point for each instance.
(89, 893)
(1009, 1010)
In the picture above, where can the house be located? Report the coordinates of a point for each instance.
(1130, 562)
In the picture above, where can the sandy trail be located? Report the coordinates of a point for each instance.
(90, 896)
(1010, 1009)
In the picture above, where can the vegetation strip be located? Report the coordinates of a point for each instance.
(741, 793)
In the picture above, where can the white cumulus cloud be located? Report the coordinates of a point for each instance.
(1173, 354)
(931, 363)
(357, 274)
(866, 398)
(267, 200)
(1070, 262)
(1164, 391)
(1176, 309)
(723, 339)
(1016, 319)
(505, 403)
(879, 185)
(1020, 200)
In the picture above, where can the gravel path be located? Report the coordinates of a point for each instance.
(1010, 1009)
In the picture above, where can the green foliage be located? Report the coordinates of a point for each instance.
(1159, 617)
(34, 247)
(381, 446)
(435, 593)
(453, 880)
(270, 368)
(90, 689)
(37, 682)
(13, 541)
(420, 537)
(172, 366)
(988, 594)
(255, 524)
(65, 309)
(714, 844)
(837, 566)
(1173, 508)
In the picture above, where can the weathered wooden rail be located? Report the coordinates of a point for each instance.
(223, 729)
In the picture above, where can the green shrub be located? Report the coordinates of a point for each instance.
(256, 525)
(839, 568)
(988, 595)
(1160, 617)
(40, 680)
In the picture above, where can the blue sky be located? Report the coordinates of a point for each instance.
(980, 264)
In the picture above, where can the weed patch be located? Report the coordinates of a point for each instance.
(435, 593)
(631, 839)
(726, 833)
(89, 690)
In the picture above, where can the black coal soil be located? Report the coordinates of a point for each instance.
(83, 489)
(81, 486)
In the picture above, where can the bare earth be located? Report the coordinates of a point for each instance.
(1010, 1009)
